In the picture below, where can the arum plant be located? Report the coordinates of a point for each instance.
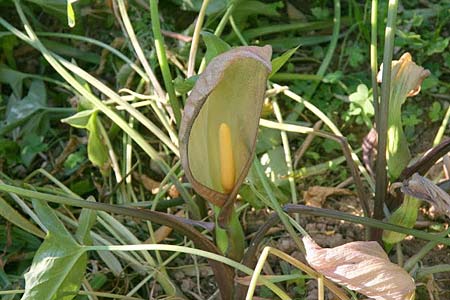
(406, 80)
(218, 134)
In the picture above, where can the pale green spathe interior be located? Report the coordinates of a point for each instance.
(237, 101)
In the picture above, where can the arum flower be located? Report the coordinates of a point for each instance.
(363, 267)
(220, 122)
(406, 80)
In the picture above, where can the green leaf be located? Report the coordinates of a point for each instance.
(333, 77)
(356, 55)
(97, 150)
(406, 216)
(10, 214)
(35, 100)
(437, 46)
(279, 61)
(80, 119)
(31, 145)
(320, 13)
(9, 151)
(183, 86)
(8, 43)
(59, 265)
(230, 91)
(435, 111)
(214, 45)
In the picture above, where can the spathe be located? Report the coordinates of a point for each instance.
(231, 91)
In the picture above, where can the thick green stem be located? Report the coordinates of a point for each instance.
(381, 175)
(230, 241)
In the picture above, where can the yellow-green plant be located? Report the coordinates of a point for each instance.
(406, 80)
(218, 133)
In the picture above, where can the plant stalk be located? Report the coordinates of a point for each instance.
(374, 57)
(381, 174)
(162, 59)
(196, 38)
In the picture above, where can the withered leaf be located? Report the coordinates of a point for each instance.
(363, 267)
(420, 187)
(316, 195)
(231, 91)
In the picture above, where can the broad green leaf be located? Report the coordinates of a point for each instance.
(35, 100)
(59, 264)
(279, 61)
(230, 91)
(214, 45)
(406, 80)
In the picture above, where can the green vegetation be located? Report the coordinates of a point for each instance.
(147, 152)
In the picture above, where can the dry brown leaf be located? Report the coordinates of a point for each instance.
(422, 188)
(163, 232)
(315, 196)
(148, 183)
(363, 267)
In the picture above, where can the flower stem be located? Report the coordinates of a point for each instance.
(381, 174)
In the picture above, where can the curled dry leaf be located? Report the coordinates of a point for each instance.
(316, 195)
(422, 188)
(363, 267)
(220, 122)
